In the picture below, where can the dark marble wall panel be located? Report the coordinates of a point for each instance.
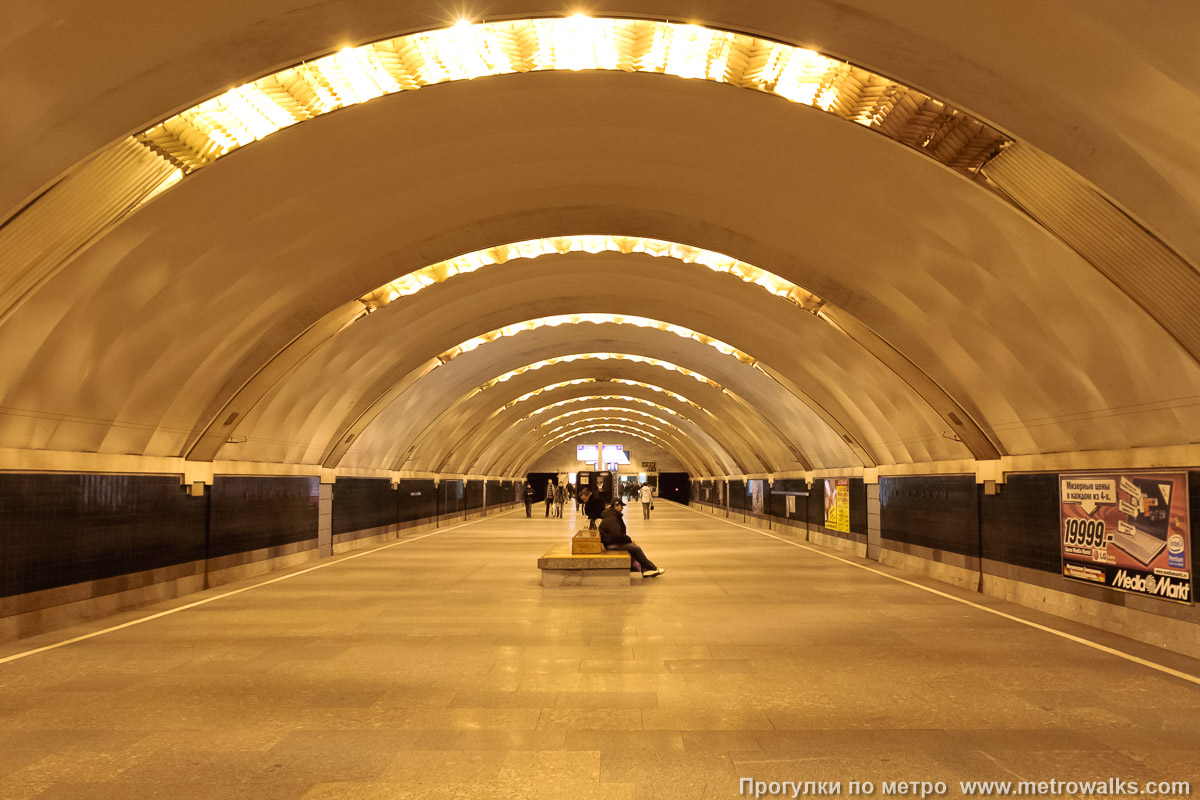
(936, 511)
(779, 501)
(1020, 524)
(362, 503)
(56, 530)
(816, 503)
(737, 495)
(451, 497)
(253, 512)
(1194, 518)
(473, 495)
(858, 506)
(496, 496)
(417, 499)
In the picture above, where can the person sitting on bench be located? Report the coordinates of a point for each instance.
(614, 537)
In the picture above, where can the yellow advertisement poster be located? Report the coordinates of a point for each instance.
(837, 504)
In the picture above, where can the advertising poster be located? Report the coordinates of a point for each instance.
(756, 496)
(1128, 531)
(837, 504)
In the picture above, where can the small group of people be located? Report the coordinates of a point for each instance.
(556, 498)
(643, 494)
(613, 534)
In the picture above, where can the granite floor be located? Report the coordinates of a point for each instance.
(439, 668)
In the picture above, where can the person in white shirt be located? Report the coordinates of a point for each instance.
(647, 498)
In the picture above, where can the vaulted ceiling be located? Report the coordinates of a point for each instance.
(787, 237)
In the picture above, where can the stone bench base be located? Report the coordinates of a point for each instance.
(561, 567)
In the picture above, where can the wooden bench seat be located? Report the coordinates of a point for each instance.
(561, 567)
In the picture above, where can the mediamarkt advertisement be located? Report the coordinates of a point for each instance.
(1128, 531)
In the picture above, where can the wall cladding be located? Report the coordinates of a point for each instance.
(816, 504)
(451, 499)
(779, 501)
(1194, 518)
(363, 503)
(936, 511)
(737, 495)
(858, 506)
(473, 495)
(417, 499)
(1020, 524)
(251, 513)
(56, 530)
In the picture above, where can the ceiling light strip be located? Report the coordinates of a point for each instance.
(200, 135)
(595, 319)
(414, 282)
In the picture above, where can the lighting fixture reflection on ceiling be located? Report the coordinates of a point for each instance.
(214, 128)
(580, 381)
(595, 319)
(601, 411)
(415, 281)
(573, 400)
(600, 357)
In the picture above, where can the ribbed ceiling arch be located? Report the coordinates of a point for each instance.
(600, 429)
(516, 461)
(716, 409)
(950, 324)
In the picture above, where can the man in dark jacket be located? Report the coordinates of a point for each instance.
(614, 537)
(528, 499)
(593, 506)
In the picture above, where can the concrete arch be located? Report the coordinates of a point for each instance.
(473, 296)
(725, 406)
(511, 462)
(697, 468)
(516, 436)
(931, 321)
(568, 398)
(473, 433)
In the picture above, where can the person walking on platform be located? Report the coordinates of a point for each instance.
(549, 496)
(528, 499)
(560, 499)
(647, 498)
(614, 537)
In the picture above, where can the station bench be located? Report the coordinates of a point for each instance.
(584, 562)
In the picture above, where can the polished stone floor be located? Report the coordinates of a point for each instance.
(439, 668)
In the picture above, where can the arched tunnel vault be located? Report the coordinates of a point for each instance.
(588, 435)
(941, 298)
(998, 73)
(480, 415)
(193, 140)
(706, 461)
(736, 421)
(365, 349)
(517, 438)
(519, 463)
(954, 415)
(532, 446)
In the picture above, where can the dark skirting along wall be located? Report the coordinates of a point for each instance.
(737, 495)
(252, 513)
(362, 504)
(417, 499)
(1194, 517)
(1020, 524)
(473, 492)
(56, 530)
(450, 494)
(63, 529)
(940, 512)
